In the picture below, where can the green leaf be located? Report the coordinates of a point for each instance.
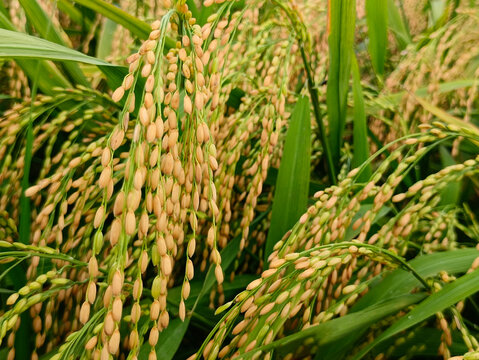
(397, 25)
(136, 26)
(48, 75)
(170, 339)
(360, 127)
(451, 193)
(376, 16)
(339, 328)
(449, 295)
(19, 45)
(401, 282)
(42, 23)
(106, 39)
(341, 40)
(292, 185)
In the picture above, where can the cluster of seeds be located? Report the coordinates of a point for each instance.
(325, 263)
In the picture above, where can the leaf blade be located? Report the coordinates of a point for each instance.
(292, 184)
(341, 40)
(19, 45)
(376, 17)
(360, 128)
(449, 295)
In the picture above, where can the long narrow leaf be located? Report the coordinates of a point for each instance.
(376, 16)
(397, 25)
(452, 192)
(402, 282)
(451, 294)
(19, 45)
(338, 328)
(135, 25)
(42, 23)
(106, 39)
(292, 184)
(48, 75)
(360, 128)
(341, 39)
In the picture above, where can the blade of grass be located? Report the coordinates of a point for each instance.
(136, 26)
(360, 128)
(452, 192)
(16, 45)
(106, 38)
(449, 295)
(338, 328)
(376, 17)
(397, 25)
(49, 76)
(445, 87)
(341, 39)
(292, 185)
(313, 93)
(41, 22)
(401, 282)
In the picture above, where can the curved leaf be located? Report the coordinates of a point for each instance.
(19, 45)
(377, 16)
(292, 185)
(341, 40)
(451, 294)
(135, 25)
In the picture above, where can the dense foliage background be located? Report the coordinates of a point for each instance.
(263, 179)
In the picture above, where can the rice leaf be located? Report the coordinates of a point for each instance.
(401, 282)
(376, 16)
(397, 25)
(449, 295)
(341, 39)
(292, 185)
(136, 26)
(19, 45)
(106, 39)
(451, 194)
(42, 23)
(49, 76)
(338, 328)
(360, 127)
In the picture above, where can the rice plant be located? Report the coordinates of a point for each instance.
(254, 179)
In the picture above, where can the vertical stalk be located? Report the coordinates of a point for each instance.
(313, 92)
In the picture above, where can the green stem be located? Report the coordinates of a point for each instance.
(313, 92)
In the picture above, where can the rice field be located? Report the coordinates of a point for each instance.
(239, 179)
